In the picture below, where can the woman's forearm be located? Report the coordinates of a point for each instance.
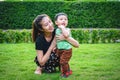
(46, 56)
(53, 44)
(42, 60)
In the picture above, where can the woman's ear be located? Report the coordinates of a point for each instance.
(41, 30)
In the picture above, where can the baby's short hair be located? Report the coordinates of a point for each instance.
(59, 14)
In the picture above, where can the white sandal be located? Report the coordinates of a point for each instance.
(38, 72)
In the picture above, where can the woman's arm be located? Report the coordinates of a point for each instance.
(42, 59)
(71, 40)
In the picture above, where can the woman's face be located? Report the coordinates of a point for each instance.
(47, 24)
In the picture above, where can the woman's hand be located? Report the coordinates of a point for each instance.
(60, 37)
(54, 49)
(71, 40)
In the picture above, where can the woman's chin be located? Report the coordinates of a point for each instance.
(51, 30)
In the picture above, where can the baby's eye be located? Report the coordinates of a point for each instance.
(61, 19)
(65, 18)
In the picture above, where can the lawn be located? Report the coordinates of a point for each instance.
(65, 0)
(89, 62)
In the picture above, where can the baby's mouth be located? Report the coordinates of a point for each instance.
(63, 24)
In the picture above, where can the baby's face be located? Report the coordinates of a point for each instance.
(62, 20)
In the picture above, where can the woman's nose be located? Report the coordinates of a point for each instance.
(50, 24)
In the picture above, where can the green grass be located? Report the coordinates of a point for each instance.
(65, 0)
(89, 62)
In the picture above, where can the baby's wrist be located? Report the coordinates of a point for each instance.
(67, 38)
(61, 27)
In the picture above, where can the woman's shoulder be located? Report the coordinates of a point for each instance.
(39, 38)
(54, 32)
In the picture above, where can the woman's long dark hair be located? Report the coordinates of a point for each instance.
(37, 26)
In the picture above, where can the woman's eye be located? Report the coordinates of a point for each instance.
(46, 25)
(49, 21)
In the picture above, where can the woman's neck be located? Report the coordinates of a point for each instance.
(48, 36)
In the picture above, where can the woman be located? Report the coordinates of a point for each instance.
(43, 35)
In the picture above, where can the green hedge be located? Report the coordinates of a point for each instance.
(19, 15)
(15, 36)
(82, 35)
(96, 35)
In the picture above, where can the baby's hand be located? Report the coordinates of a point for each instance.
(61, 26)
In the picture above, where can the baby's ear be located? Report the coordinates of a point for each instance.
(56, 22)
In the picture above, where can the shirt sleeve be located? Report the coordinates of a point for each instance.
(39, 44)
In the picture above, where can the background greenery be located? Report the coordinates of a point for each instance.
(66, 0)
(89, 62)
(81, 35)
(20, 14)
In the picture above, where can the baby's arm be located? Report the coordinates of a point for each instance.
(71, 40)
(65, 31)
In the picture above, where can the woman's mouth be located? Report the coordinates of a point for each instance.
(51, 28)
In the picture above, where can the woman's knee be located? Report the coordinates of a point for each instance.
(42, 63)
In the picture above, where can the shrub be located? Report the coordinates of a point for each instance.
(82, 35)
(19, 15)
(15, 36)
